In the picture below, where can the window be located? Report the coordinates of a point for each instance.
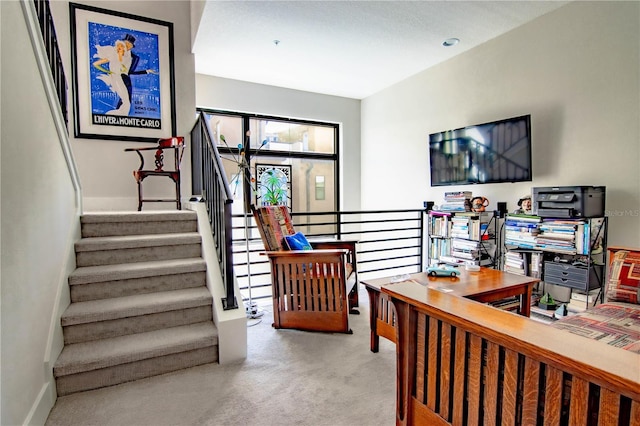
(292, 162)
(319, 187)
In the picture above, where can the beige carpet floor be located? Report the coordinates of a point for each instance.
(290, 377)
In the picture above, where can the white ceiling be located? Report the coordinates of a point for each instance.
(346, 48)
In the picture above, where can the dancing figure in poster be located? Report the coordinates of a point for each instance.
(122, 63)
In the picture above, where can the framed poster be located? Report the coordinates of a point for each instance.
(123, 76)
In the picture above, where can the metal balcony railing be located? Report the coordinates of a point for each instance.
(390, 242)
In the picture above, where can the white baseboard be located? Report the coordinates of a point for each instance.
(42, 405)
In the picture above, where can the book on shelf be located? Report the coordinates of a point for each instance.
(523, 262)
(593, 236)
(535, 265)
(465, 244)
(454, 206)
(507, 304)
(522, 229)
(439, 248)
(517, 217)
(464, 254)
(550, 313)
(439, 224)
(517, 237)
(452, 260)
(554, 235)
(577, 306)
(589, 297)
(514, 269)
(439, 213)
(452, 195)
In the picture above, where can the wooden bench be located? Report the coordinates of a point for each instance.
(465, 363)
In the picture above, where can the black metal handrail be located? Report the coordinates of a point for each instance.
(48, 30)
(210, 182)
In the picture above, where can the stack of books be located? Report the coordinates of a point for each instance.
(460, 227)
(558, 235)
(521, 230)
(457, 201)
(523, 262)
(580, 301)
(515, 262)
(465, 249)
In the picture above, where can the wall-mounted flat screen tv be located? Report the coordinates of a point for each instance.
(499, 151)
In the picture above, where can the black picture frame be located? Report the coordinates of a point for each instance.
(123, 75)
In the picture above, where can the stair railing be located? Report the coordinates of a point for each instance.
(41, 29)
(210, 182)
(48, 30)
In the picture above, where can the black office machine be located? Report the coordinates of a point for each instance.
(569, 201)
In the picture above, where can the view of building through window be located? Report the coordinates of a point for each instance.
(289, 162)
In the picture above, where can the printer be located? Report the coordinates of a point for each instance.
(568, 201)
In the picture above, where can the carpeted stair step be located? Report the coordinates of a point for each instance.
(137, 223)
(126, 279)
(92, 365)
(106, 318)
(136, 248)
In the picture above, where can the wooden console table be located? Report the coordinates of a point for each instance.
(486, 285)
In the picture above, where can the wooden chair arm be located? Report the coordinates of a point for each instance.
(334, 244)
(305, 253)
(349, 245)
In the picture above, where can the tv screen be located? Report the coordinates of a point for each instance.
(499, 151)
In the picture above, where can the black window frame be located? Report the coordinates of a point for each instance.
(250, 152)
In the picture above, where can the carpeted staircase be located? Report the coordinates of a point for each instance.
(139, 303)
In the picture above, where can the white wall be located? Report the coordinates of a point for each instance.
(105, 169)
(40, 223)
(234, 95)
(576, 71)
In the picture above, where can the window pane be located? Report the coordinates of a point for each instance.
(229, 127)
(303, 182)
(284, 136)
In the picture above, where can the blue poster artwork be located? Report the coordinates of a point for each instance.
(125, 77)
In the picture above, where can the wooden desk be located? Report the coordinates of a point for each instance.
(486, 285)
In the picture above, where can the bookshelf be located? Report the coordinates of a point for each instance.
(567, 252)
(460, 238)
